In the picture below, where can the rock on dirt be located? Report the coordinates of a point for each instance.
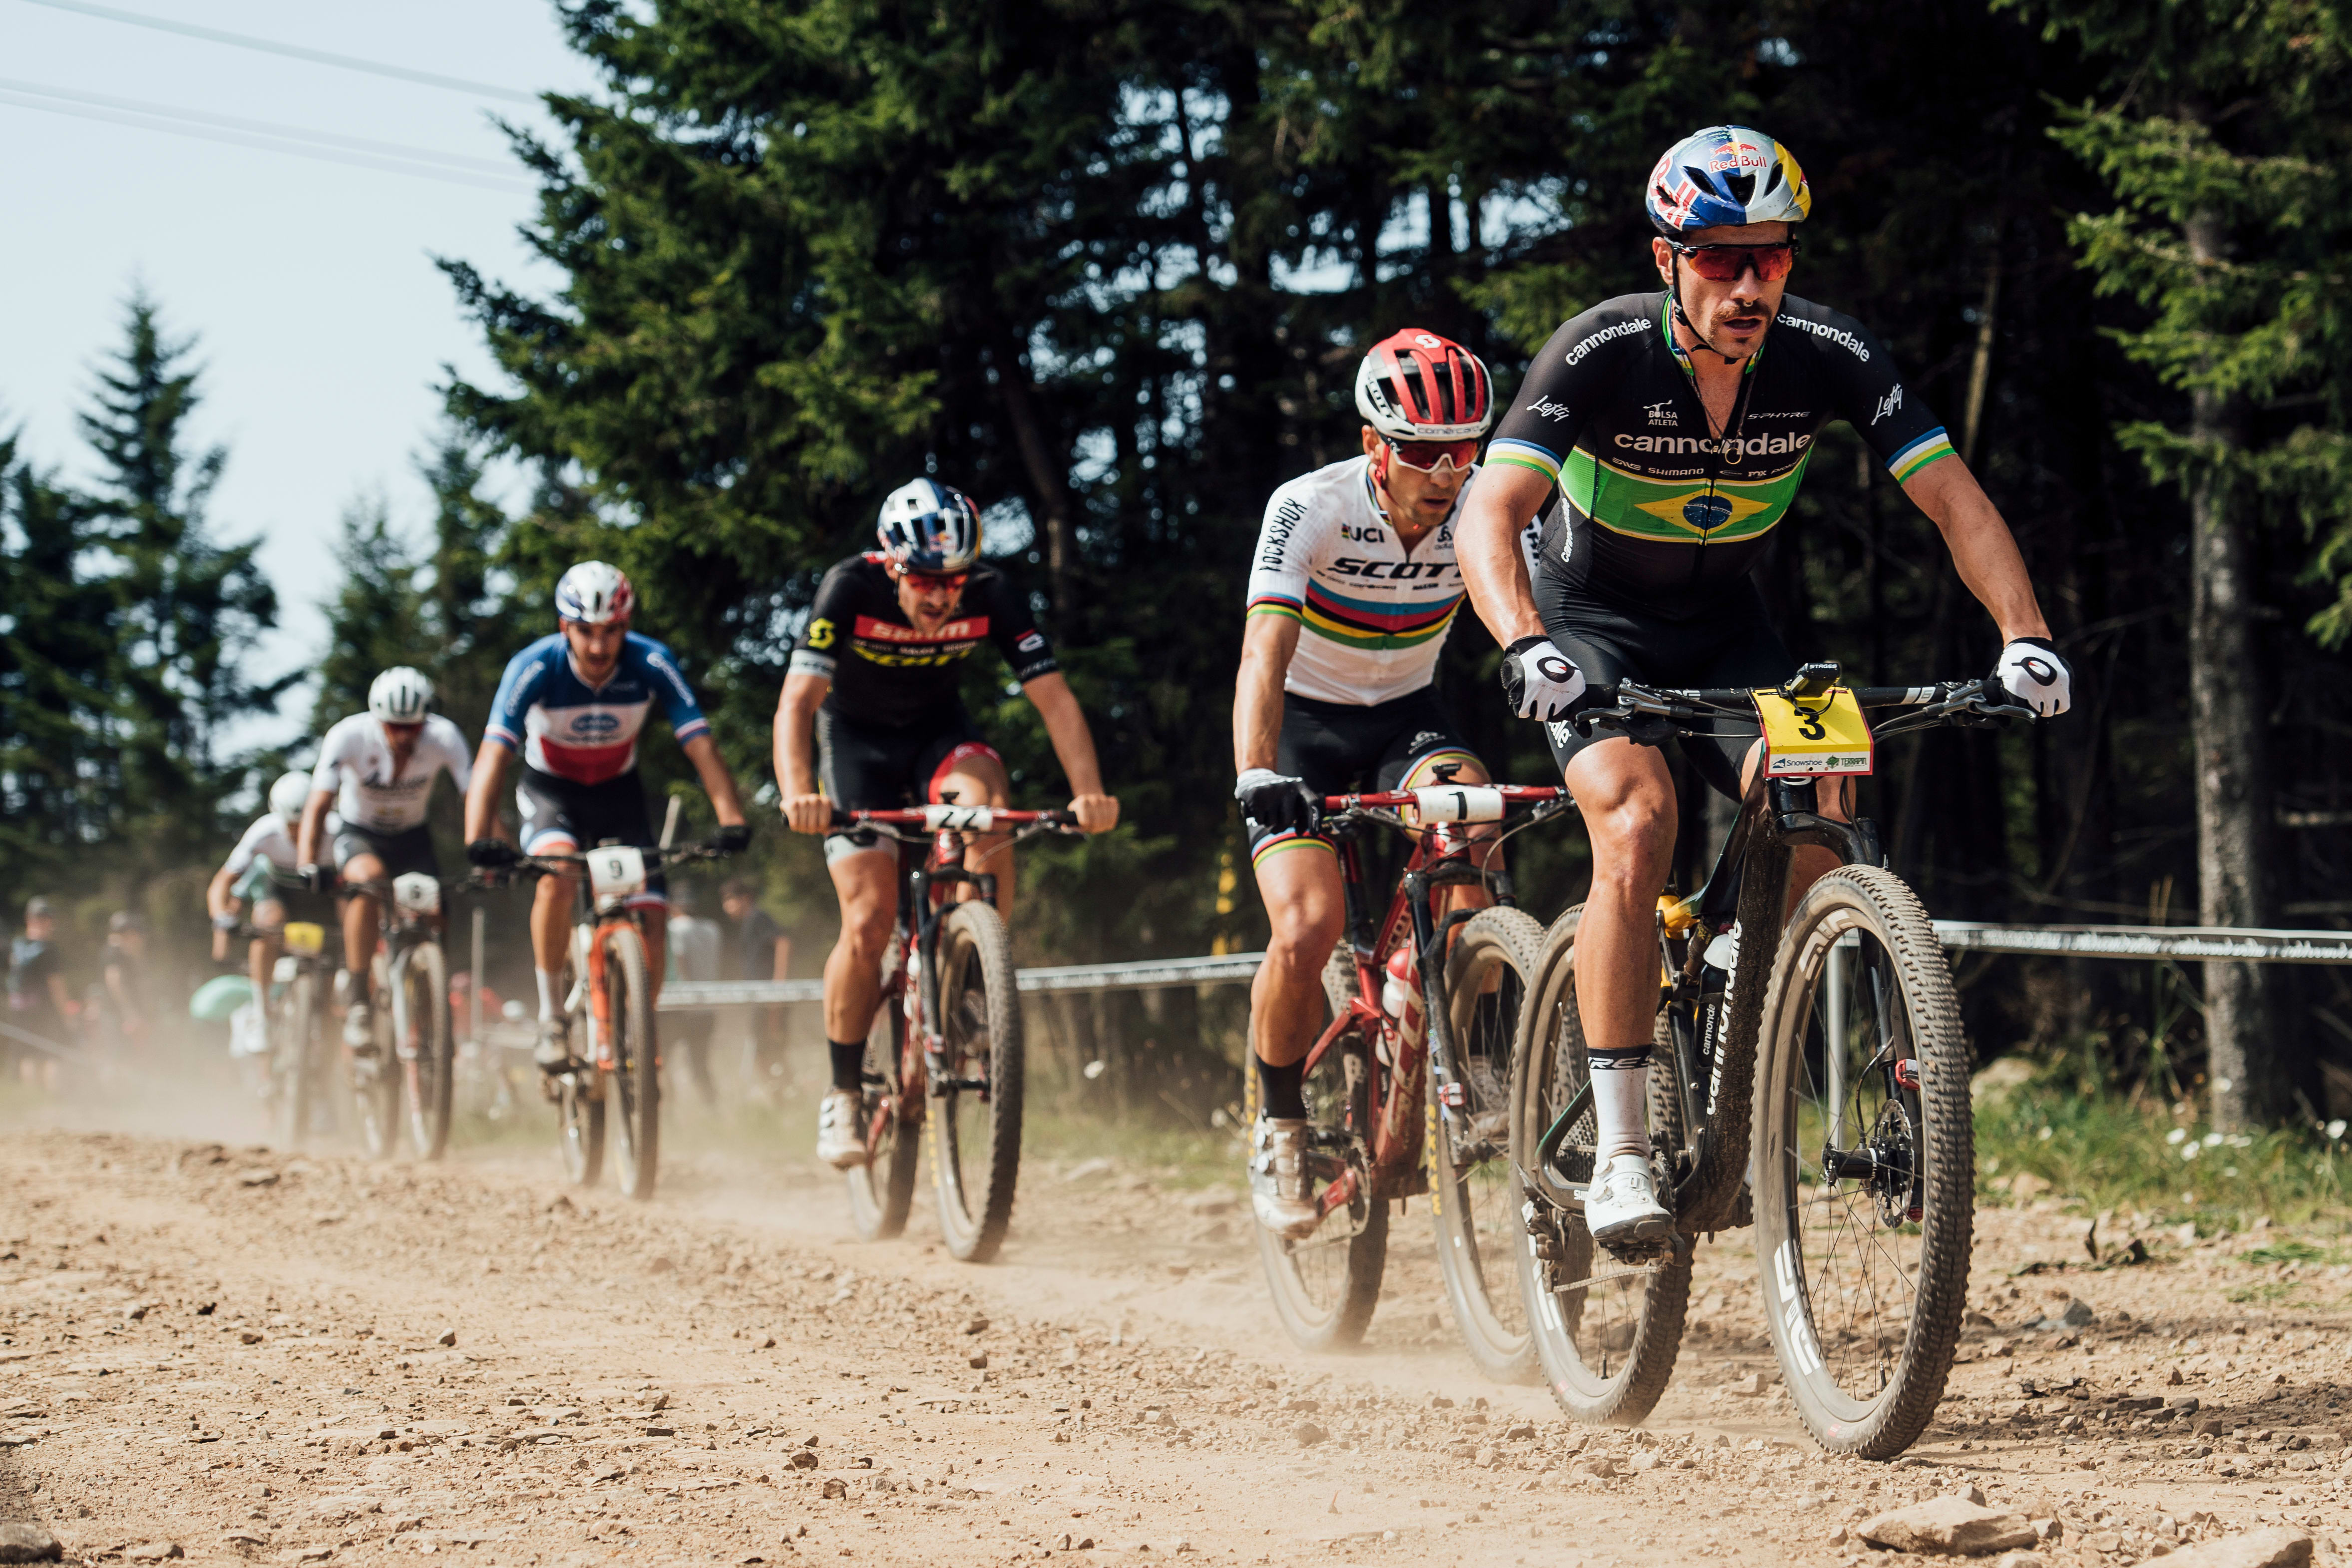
(28, 1544)
(2023, 1560)
(2272, 1548)
(1308, 1433)
(1948, 1526)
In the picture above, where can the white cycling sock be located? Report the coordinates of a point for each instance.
(546, 994)
(1621, 1094)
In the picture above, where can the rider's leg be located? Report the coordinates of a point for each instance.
(361, 924)
(1299, 878)
(866, 882)
(975, 775)
(261, 956)
(1627, 797)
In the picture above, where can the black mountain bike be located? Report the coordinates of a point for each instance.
(1826, 1043)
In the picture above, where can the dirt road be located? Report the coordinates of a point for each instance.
(231, 1353)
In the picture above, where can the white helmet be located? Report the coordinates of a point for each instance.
(290, 794)
(400, 696)
(595, 593)
(927, 526)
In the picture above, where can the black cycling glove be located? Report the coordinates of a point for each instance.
(1277, 803)
(490, 853)
(732, 838)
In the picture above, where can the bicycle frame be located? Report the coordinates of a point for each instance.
(1445, 854)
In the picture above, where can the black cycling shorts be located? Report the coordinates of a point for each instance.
(1338, 748)
(1736, 647)
(883, 767)
(410, 849)
(561, 815)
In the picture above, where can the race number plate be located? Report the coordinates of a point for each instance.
(1814, 737)
(413, 893)
(958, 818)
(1454, 803)
(615, 872)
(305, 938)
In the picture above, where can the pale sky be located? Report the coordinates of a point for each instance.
(322, 325)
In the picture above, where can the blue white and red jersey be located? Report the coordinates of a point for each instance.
(587, 733)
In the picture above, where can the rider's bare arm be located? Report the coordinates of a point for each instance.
(218, 901)
(1983, 549)
(482, 792)
(1268, 643)
(1074, 743)
(1501, 504)
(806, 810)
(309, 843)
(716, 781)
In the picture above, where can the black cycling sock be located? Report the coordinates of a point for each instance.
(1280, 1090)
(848, 1063)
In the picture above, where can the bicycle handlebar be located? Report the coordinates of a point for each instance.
(1979, 698)
(959, 818)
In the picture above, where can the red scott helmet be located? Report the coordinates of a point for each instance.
(1418, 386)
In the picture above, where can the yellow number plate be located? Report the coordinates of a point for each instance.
(304, 938)
(1815, 737)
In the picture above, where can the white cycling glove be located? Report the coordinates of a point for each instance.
(1539, 680)
(2030, 670)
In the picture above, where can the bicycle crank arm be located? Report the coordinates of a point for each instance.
(1338, 1196)
(941, 1088)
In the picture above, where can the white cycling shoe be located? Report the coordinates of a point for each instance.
(358, 1027)
(1621, 1206)
(840, 1141)
(1278, 1169)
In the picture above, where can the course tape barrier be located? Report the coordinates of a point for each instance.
(2196, 944)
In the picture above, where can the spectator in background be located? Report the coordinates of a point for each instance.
(128, 1003)
(760, 952)
(694, 954)
(38, 1003)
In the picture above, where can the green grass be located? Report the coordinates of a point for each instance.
(2105, 1151)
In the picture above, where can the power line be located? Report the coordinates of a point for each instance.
(263, 127)
(299, 149)
(295, 51)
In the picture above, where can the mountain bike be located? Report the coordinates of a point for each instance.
(1832, 1054)
(1416, 1061)
(297, 1056)
(610, 1004)
(414, 1063)
(949, 1029)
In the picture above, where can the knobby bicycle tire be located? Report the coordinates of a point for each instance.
(580, 1123)
(1474, 1206)
(292, 1056)
(1326, 1289)
(882, 1190)
(375, 1085)
(636, 1076)
(980, 1025)
(1864, 1376)
(426, 1083)
(1605, 1336)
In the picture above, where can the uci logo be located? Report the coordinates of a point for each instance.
(593, 724)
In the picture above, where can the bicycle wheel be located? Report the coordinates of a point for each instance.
(1326, 1286)
(420, 1022)
(976, 1113)
(882, 1190)
(1606, 1333)
(633, 1076)
(1474, 1197)
(375, 1083)
(580, 1126)
(1866, 1163)
(292, 1034)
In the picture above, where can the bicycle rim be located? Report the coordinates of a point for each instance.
(882, 1190)
(1606, 1333)
(1326, 1286)
(976, 1133)
(1475, 1194)
(1864, 1266)
(580, 1129)
(635, 1078)
(289, 1051)
(424, 1031)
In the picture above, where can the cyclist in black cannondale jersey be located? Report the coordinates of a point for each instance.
(870, 719)
(1673, 436)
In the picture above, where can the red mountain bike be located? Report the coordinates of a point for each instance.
(1418, 1056)
(949, 1029)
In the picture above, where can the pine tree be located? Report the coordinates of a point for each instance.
(378, 617)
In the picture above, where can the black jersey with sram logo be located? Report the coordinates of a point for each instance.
(1659, 513)
(883, 670)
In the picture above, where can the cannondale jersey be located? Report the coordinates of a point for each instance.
(1660, 514)
(371, 789)
(1374, 616)
(587, 733)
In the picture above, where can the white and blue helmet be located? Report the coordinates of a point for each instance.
(1726, 176)
(927, 526)
(595, 593)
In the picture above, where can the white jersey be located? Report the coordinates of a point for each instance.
(356, 761)
(267, 839)
(1374, 614)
